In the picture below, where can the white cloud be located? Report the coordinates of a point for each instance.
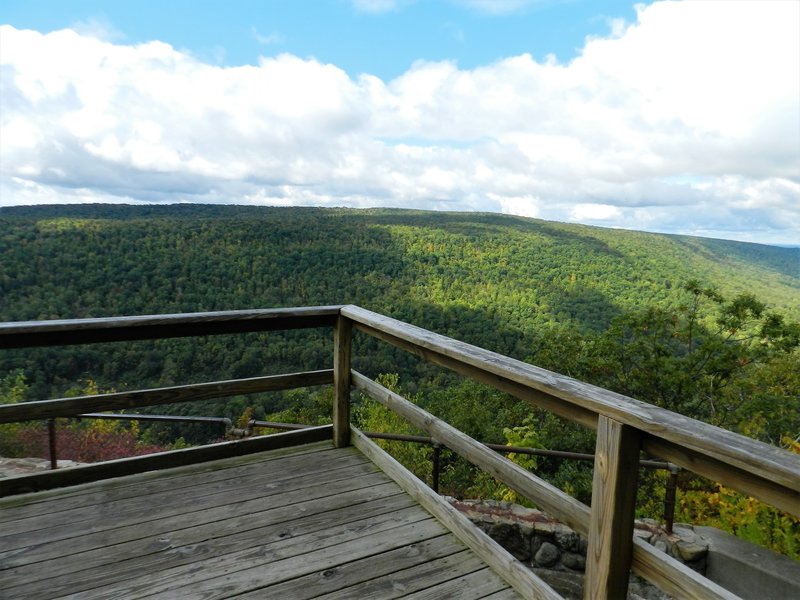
(267, 40)
(499, 7)
(522, 206)
(375, 6)
(594, 212)
(98, 27)
(686, 120)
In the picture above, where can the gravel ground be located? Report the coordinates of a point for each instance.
(12, 467)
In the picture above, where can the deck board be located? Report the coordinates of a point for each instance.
(207, 489)
(415, 578)
(389, 571)
(306, 523)
(87, 494)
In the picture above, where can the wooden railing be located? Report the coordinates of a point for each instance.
(625, 427)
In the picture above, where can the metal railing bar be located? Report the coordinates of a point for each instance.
(156, 418)
(502, 448)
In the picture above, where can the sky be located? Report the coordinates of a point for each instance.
(675, 117)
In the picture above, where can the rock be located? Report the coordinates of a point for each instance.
(644, 534)
(574, 561)
(547, 527)
(510, 538)
(661, 544)
(569, 541)
(525, 529)
(566, 583)
(691, 551)
(536, 543)
(651, 523)
(547, 555)
(685, 535)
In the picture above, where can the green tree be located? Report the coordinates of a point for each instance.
(684, 358)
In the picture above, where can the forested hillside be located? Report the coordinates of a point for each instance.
(198, 257)
(502, 282)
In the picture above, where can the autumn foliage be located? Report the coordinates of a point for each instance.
(82, 442)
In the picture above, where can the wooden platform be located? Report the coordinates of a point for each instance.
(304, 522)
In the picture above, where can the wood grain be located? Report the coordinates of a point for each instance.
(505, 565)
(548, 497)
(653, 565)
(25, 334)
(780, 496)
(162, 460)
(229, 574)
(616, 472)
(166, 498)
(180, 543)
(471, 586)
(18, 505)
(342, 343)
(674, 577)
(390, 574)
(770, 465)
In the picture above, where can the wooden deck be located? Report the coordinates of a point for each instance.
(304, 522)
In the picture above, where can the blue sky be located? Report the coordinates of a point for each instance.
(679, 117)
(384, 42)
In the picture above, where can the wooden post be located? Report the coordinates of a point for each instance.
(616, 472)
(342, 340)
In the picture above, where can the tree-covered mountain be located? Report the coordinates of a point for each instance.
(198, 257)
(501, 282)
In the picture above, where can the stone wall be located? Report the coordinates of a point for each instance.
(539, 541)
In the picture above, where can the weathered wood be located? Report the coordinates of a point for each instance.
(206, 490)
(51, 544)
(548, 497)
(257, 536)
(21, 505)
(758, 469)
(121, 552)
(70, 407)
(616, 474)
(673, 577)
(505, 565)
(508, 594)
(472, 586)
(342, 342)
(389, 575)
(162, 460)
(553, 501)
(479, 373)
(771, 492)
(25, 334)
(211, 534)
(766, 463)
(229, 574)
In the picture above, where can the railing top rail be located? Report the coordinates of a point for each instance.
(753, 457)
(22, 334)
(74, 407)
